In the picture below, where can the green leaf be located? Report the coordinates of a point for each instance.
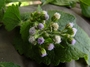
(25, 16)
(83, 43)
(23, 29)
(8, 64)
(19, 44)
(12, 17)
(61, 53)
(70, 3)
(85, 6)
(46, 1)
(1, 14)
(39, 8)
(2, 4)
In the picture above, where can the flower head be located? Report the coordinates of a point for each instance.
(51, 46)
(70, 25)
(31, 39)
(46, 15)
(44, 12)
(74, 31)
(57, 15)
(57, 39)
(40, 26)
(43, 52)
(55, 26)
(73, 41)
(32, 30)
(40, 40)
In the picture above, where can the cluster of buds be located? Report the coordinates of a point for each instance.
(71, 32)
(47, 34)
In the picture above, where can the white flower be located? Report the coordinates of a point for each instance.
(31, 39)
(74, 31)
(57, 15)
(55, 26)
(32, 30)
(57, 39)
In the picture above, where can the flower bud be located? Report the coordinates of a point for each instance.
(57, 39)
(31, 39)
(57, 15)
(44, 12)
(69, 25)
(40, 26)
(72, 41)
(40, 40)
(32, 30)
(43, 52)
(55, 26)
(74, 31)
(51, 46)
(46, 15)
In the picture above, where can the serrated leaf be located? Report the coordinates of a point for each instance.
(11, 17)
(8, 64)
(83, 43)
(23, 29)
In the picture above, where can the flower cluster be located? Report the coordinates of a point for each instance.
(47, 34)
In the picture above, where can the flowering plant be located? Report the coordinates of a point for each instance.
(46, 35)
(49, 37)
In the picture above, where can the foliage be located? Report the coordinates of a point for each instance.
(85, 4)
(70, 3)
(63, 52)
(8, 64)
(11, 17)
